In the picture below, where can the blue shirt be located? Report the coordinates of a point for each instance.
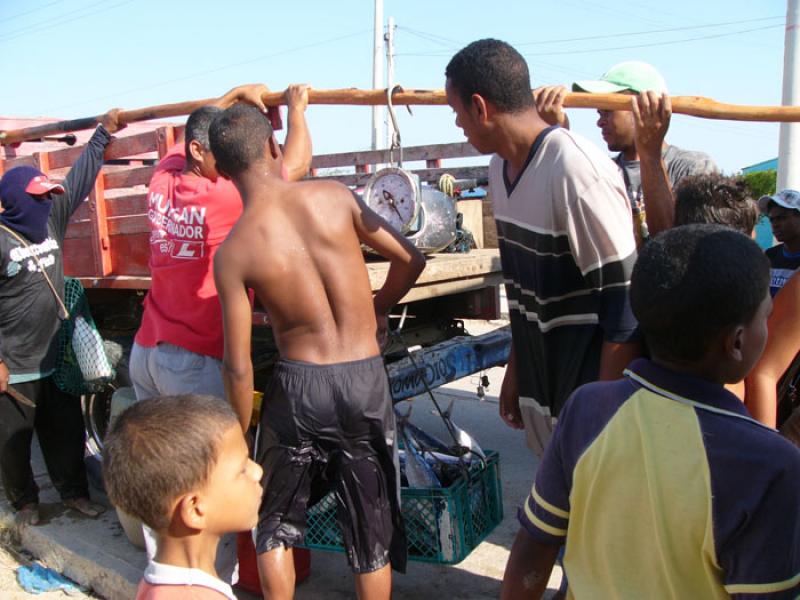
(662, 486)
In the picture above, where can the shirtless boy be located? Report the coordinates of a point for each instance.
(328, 416)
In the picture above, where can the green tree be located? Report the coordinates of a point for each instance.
(761, 183)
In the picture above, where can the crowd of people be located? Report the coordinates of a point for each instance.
(649, 336)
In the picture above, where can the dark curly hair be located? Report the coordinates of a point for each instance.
(694, 282)
(714, 198)
(238, 136)
(496, 71)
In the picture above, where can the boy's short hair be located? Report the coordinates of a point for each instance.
(693, 282)
(161, 448)
(238, 137)
(714, 198)
(496, 71)
(197, 126)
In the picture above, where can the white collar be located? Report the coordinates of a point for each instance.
(161, 574)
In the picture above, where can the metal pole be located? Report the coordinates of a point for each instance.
(389, 72)
(789, 144)
(377, 73)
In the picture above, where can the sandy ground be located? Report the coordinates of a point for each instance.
(10, 560)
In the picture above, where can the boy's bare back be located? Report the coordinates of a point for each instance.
(297, 245)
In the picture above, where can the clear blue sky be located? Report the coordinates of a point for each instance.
(72, 58)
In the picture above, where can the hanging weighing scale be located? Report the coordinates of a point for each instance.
(394, 194)
(425, 215)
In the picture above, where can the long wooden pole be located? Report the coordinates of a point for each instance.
(696, 106)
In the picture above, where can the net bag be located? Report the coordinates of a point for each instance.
(83, 366)
(88, 348)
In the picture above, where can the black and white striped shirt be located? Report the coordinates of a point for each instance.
(567, 249)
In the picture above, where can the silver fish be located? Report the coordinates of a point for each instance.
(418, 472)
(464, 439)
(427, 440)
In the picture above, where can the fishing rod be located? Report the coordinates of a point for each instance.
(696, 106)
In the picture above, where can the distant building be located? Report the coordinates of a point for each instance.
(764, 165)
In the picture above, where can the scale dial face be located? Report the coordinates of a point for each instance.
(394, 194)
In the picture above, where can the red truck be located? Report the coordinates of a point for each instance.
(107, 249)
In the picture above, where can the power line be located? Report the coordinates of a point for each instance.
(59, 21)
(538, 64)
(591, 50)
(25, 28)
(651, 44)
(652, 31)
(27, 12)
(431, 37)
(627, 14)
(208, 71)
(648, 6)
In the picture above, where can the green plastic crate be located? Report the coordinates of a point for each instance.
(442, 525)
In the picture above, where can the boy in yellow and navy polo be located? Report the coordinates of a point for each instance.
(660, 484)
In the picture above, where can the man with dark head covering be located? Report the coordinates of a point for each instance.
(36, 211)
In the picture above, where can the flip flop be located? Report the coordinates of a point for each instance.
(28, 515)
(85, 507)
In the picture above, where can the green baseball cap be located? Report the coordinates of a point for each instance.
(632, 75)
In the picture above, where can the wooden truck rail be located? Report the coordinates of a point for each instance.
(107, 248)
(107, 242)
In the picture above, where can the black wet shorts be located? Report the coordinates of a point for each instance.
(331, 427)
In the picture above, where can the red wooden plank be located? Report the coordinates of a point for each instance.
(121, 147)
(165, 139)
(78, 257)
(100, 235)
(78, 230)
(81, 213)
(117, 206)
(410, 154)
(128, 177)
(60, 159)
(128, 225)
(127, 205)
(19, 162)
(41, 160)
(132, 145)
(426, 175)
(116, 226)
(131, 254)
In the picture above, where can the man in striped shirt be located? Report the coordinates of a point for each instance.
(566, 244)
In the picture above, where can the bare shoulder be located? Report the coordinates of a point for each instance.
(230, 254)
(329, 187)
(331, 193)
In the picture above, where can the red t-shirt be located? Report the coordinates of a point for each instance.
(189, 216)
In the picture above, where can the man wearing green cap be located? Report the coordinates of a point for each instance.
(650, 168)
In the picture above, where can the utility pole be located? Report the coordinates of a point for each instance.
(789, 144)
(389, 73)
(377, 73)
